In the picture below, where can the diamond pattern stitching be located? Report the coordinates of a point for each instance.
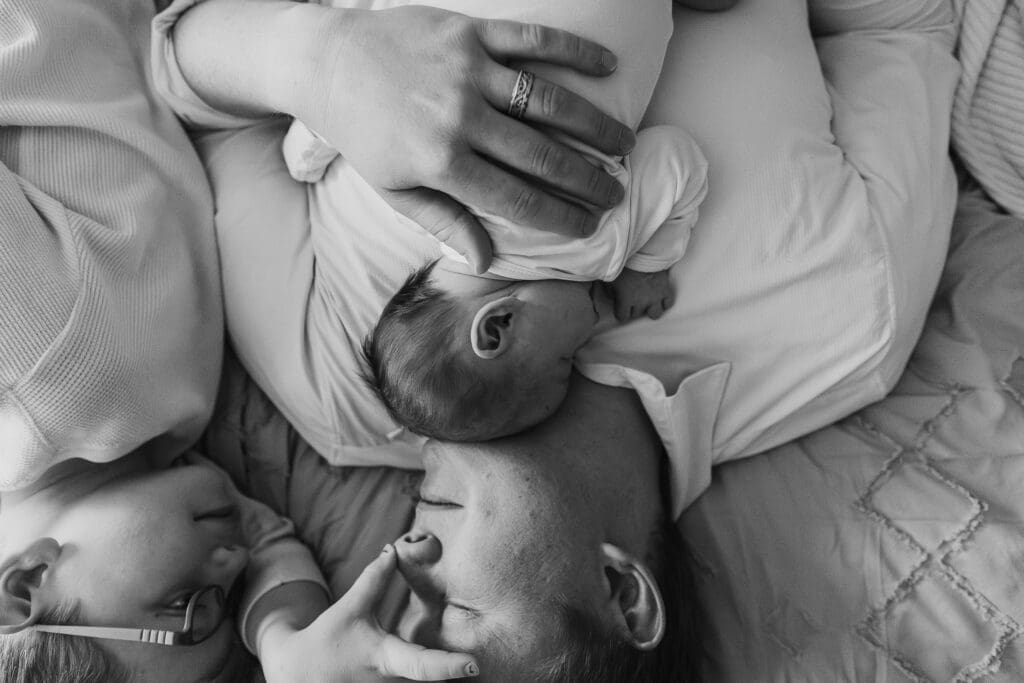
(938, 561)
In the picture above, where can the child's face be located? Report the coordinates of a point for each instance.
(557, 318)
(136, 547)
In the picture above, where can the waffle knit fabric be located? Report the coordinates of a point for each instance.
(110, 307)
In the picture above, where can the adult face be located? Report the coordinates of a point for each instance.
(509, 530)
(497, 544)
(135, 548)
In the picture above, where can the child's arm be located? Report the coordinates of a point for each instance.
(667, 184)
(286, 619)
(346, 643)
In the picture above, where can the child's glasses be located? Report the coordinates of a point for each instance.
(203, 616)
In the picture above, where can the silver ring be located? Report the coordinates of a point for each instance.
(520, 94)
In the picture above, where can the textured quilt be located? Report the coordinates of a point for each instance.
(890, 546)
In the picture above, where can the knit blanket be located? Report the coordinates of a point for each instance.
(988, 111)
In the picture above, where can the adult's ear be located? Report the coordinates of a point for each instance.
(23, 582)
(493, 329)
(635, 600)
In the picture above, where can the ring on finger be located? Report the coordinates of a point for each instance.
(520, 94)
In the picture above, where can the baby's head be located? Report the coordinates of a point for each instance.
(462, 357)
(122, 545)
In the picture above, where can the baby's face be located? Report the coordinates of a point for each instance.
(557, 320)
(138, 547)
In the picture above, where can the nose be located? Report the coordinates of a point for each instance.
(419, 548)
(417, 554)
(226, 563)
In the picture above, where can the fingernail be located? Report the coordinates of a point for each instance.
(609, 61)
(627, 141)
(386, 549)
(471, 669)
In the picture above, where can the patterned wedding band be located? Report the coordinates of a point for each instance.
(520, 95)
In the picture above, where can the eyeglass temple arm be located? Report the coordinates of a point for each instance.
(138, 635)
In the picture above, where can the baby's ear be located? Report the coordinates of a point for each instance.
(24, 580)
(493, 329)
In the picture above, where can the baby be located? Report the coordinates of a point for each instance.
(461, 356)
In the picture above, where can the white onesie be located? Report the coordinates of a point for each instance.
(665, 175)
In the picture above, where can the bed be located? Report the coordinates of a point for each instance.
(887, 547)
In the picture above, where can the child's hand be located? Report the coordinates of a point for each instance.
(346, 643)
(636, 294)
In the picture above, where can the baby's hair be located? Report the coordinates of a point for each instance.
(417, 366)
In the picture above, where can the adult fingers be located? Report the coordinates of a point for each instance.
(552, 105)
(482, 184)
(397, 657)
(534, 154)
(445, 219)
(513, 40)
(362, 598)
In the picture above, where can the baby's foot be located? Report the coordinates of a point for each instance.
(638, 294)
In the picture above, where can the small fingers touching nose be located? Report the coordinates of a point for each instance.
(418, 548)
(417, 555)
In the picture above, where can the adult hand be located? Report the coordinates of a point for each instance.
(416, 97)
(347, 644)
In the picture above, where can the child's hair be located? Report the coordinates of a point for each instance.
(416, 364)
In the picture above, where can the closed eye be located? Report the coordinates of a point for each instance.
(422, 501)
(459, 611)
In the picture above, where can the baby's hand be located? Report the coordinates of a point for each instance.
(636, 294)
(346, 643)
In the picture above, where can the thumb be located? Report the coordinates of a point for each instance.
(446, 220)
(362, 598)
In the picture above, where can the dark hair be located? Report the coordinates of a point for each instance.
(594, 653)
(30, 656)
(415, 366)
(591, 652)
